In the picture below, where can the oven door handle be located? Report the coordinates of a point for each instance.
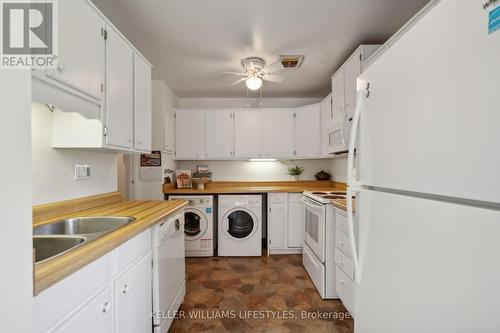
(311, 204)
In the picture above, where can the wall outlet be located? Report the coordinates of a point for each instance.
(82, 171)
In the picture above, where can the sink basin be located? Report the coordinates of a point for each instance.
(83, 226)
(48, 247)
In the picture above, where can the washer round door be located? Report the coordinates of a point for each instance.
(195, 225)
(239, 224)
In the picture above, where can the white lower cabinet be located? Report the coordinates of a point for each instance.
(344, 262)
(94, 317)
(285, 223)
(111, 294)
(133, 298)
(296, 220)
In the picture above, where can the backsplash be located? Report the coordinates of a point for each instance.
(53, 169)
(258, 171)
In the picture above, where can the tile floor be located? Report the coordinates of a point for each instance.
(223, 292)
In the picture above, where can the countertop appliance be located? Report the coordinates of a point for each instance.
(427, 178)
(169, 271)
(240, 223)
(318, 256)
(198, 225)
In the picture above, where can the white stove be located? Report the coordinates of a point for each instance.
(325, 197)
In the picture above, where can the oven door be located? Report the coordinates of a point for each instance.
(315, 227)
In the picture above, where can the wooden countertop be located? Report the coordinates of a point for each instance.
(146, 213)
(218, 187)
(342, 204)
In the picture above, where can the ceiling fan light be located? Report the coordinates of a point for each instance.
(254, 83)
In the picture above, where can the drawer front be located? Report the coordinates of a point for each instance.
(277, 197)
(132, 250)
(343, 244)
(341, 221)
(315, 269)
(345, 290)
(344, 263)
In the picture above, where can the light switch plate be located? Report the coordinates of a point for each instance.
(82, 171)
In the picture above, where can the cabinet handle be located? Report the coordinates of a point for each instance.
(106, 307)
(125, 289)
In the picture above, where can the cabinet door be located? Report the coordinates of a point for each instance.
(296, 223)
(119, 91)
(190, 134)
(219, 134)
(142, 104)
(248, 133)
(325, 123)
(94, 317)
(338, 100)
(276, 226)
(352, 69)
(133, 298)
(169, 131)
(307, 133)
(278, 133)
(81, 48)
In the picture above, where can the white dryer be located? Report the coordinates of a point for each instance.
(198, 225)
(240, 225)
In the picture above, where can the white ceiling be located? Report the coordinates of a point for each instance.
(190, 42)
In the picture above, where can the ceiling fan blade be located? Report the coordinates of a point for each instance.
(238, 81)
(273, 68)
(234, 73)
(273, 78)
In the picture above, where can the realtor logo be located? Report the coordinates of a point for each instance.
(29, 34)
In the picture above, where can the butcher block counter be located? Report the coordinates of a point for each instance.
(221, 187)
(146, 214)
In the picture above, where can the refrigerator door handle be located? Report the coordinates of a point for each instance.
(351, 179)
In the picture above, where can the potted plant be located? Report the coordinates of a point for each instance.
(295, 172)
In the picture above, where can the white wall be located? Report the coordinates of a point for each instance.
(258, 171)
(53, 169)
(242, 102)
(338, 169)
(163, 100)
(15, 202)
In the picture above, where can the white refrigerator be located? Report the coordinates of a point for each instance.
(427, 177)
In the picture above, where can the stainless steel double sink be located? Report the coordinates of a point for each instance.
(54, 239)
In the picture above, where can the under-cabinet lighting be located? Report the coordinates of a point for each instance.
(262, 160)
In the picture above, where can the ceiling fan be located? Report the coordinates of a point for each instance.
(255, 71)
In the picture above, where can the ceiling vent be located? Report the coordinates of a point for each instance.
(292, 61)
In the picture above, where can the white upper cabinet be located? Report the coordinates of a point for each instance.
(326, 117)
(219, 134)
(190, 134)
(142, 104)
(248, 133)
(81, 48)
(352, 69)
(278, 133)
(100, 91)
(307, 131)
(119, 120)
(338, 102)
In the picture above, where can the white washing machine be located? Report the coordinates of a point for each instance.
(240, 225)
(198, 225)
